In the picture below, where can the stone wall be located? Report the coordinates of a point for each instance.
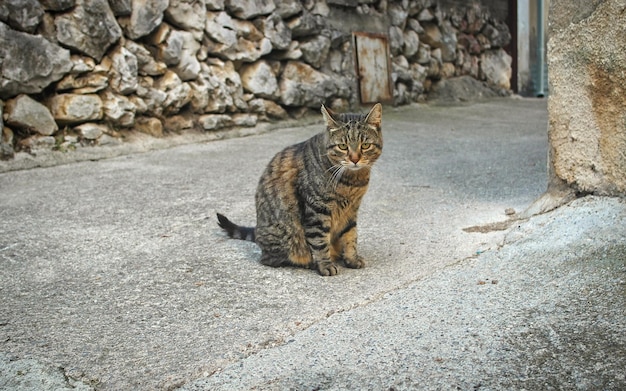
(84, 72)
(587, 115)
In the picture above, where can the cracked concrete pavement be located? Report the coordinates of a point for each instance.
(115, 275)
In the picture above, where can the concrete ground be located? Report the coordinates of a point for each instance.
(115, 276)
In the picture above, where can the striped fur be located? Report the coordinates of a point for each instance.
(309, 195)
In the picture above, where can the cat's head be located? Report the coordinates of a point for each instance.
(354, 140)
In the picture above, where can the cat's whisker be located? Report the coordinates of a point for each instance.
(336, 175)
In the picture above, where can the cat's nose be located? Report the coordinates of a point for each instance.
(354, 158)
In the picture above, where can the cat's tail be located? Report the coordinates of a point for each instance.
(235, 231)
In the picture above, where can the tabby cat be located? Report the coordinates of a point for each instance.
(308, 197)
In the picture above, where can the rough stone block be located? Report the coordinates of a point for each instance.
(587, 125)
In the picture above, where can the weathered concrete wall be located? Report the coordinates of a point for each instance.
(587, 103)
(84, 72)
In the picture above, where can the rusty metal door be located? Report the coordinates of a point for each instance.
(373, 67)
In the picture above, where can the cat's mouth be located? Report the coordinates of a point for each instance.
(355, 166)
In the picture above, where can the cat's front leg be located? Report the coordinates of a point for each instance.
(317, 233)
(344, 246)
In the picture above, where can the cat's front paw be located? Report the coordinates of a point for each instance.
(356, 263)
(327, 268)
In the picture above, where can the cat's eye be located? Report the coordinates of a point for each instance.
(366, 146)
(343, 147)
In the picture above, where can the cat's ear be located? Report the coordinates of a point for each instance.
(375, 116)
(328, 115)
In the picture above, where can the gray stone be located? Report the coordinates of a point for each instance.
(170, 51)
(82, 64)
(121, 7)
(425, 16)
(401, 94)
(302, 85)
(411, 43)
(495, 65)
(60, 5)
(414, 7)
(178, 93)
(145, 16)
(315, 50)
(259, 79)
(288, 8)
(423, 54)
(201, 90)
(89, 28)
(396, 40)
(146, 64)
(414, 24)
(320, 7)
(229, 84)
(152, 99)
(27, 114)
(431, 35)
(29, 71)
(247, 29)
(474, 19)
(397, 14)
(275, 29)
(75, 108)
(335, 61)
(448, 41)
(235, 40)
(304, 25)
(90, 131)
(418, 72)
(23, 15)
(244, 119)
(497, 33)
(348, 3)
(257, 106)
(124, 71)
(214, 121)
(86, 82)
(293, 52)
(188, 67)
(218, 89)
(459, 89)
(139, 103)
(248, 9)
(400, 70)
(434, 67)
(186, 14)
(435, 54)
(244, 50)
(118, 109)
(176, 96)
(214, 5)
(220, 27)
(268, 108)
